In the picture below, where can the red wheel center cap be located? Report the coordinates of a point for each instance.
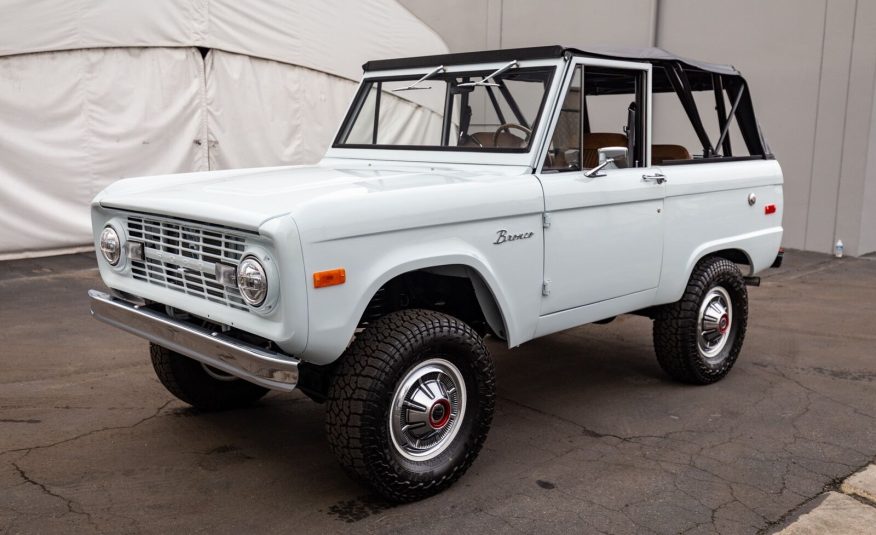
(439, 414)
(723, 324)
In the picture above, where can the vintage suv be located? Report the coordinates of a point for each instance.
(514, 193)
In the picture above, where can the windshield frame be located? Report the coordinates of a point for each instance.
(521, 156)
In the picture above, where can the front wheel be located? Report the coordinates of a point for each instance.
(698, 338)
(411, 403)
(200, 385)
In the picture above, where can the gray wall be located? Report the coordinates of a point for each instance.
(811, 65)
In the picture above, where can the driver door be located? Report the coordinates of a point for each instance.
(605, 235)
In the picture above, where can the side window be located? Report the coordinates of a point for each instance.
(673, 136)
(675, 139)
(602, 108)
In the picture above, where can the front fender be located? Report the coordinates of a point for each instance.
(511, 272)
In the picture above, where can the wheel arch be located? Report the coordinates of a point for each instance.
(481, 292)
(676, 277)
(735, 255)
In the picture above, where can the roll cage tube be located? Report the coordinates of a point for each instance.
(730, 117)
(681, 85)
(496, 106)
(718, 86)
(515, 109)
(377, 109)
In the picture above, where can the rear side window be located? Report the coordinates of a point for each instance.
(700, 116)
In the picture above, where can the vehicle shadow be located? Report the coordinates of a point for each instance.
(285, 432)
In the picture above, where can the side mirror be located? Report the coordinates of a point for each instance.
(618, 154)
(596, 170)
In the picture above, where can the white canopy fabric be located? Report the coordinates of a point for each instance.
(333, 36)
(73, 122)
(95, 91)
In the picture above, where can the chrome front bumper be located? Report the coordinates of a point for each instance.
(257, 365)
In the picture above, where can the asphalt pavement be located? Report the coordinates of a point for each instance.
(589, 435)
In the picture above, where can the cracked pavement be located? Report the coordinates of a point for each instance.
(589, 435)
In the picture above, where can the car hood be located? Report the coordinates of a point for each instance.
(333, 200)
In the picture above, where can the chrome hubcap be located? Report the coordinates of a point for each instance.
(715, 320)
(427, 409)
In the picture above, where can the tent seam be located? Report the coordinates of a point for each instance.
(205, 123)
(87, 112)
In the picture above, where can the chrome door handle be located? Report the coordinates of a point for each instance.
(656, 177)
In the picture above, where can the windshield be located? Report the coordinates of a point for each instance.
(490, 110)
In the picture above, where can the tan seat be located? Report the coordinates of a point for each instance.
(665, 153)
(592, 142)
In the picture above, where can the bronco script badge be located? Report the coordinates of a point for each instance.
(503, 235)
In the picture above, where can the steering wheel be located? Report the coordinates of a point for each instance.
(508, 126)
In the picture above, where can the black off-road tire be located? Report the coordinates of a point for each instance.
(360, 399)
(187, 379)
(676, 326)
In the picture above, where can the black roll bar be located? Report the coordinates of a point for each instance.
(718, 86)
(495, 104)
(515, 109)
(731, 116)
(681, 85)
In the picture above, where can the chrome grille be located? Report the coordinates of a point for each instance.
(205, 244)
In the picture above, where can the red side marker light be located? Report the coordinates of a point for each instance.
(769, 209)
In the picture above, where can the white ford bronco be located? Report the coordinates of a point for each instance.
(511, 193)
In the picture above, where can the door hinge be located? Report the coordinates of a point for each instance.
(546, 219)
(546, 287)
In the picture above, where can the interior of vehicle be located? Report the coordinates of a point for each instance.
(605, 115)
(506, 119)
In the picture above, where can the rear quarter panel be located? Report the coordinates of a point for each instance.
(707, 210)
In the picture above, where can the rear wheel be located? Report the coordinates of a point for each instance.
(200, 385)
(411, 403)
(698, 338)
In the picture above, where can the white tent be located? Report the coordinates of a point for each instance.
(92, 91)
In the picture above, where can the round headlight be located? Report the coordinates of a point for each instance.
(252, 281)
(110, 246)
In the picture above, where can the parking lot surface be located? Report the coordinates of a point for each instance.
(589, 434)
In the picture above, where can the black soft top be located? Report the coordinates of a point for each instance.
(653, 55)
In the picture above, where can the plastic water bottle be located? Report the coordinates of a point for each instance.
(838, 249)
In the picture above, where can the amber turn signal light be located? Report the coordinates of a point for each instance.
(331, 277)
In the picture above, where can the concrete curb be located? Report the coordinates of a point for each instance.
(862, 484)
(851, 512)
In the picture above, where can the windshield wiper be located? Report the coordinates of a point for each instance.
(486, 81)
(428, 75)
